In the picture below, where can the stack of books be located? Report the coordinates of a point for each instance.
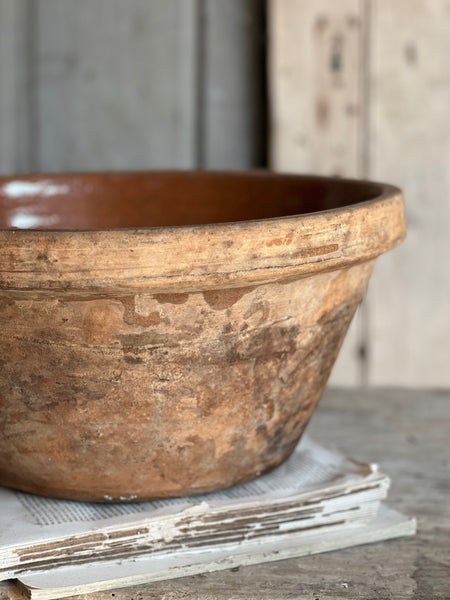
(316, 501)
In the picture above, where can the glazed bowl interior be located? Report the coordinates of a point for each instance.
(141, 200)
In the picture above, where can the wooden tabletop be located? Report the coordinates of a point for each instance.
(408, 434)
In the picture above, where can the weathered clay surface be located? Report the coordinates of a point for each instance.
(124, 394)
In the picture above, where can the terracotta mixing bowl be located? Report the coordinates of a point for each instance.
(164, 334)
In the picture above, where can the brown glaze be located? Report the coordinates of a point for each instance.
(166, 334)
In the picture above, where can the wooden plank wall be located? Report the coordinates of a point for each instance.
(410, 145)
(362, 87)
(319, 112)
(114, 84)
(102, 91)
(358, 88)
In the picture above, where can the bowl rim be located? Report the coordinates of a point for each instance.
(205, 256)
(385, 190)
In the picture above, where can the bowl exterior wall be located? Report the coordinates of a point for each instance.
(131, 397)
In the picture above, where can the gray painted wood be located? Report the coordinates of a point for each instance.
(146, 84)
(115, 84)
(406, 433)
(410, 146)
(14, 88)
(319, 113)
(232, 70)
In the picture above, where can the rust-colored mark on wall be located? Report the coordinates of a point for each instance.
(336, 55)
(321, 24)
(353, 110)
(322, 113)
(337, 100)
(411, 54)
(353, 22)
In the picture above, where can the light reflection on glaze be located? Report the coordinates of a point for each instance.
(25, 220)
(23, 194)
(21, 188)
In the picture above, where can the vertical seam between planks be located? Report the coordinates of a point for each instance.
(20, 73)
(16, 19)
(200, 84)
(365, 346)
(32, 74)
(366, 93)
(260, 94)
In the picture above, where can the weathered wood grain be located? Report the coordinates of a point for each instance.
(317, 91)
(410, 146)
(318, 111)
(406, 432)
